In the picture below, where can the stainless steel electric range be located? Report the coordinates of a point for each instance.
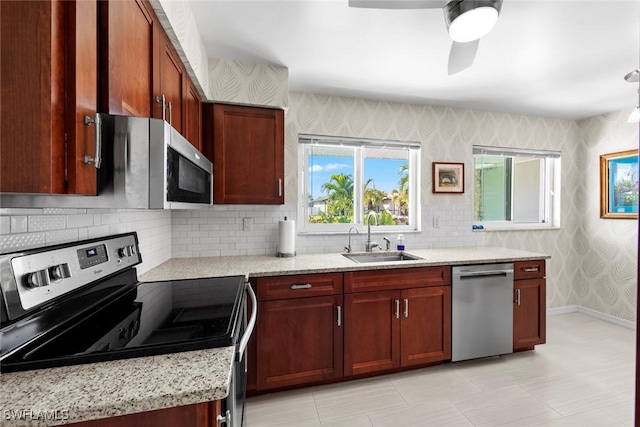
(82, 303)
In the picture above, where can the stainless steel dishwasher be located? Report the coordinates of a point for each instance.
(481, 311)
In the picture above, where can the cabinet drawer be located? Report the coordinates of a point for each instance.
(528, 269)
(401, 278)
(298, 286)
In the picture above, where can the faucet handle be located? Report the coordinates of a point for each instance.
(347, 249)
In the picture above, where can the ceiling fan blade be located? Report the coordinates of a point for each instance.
(398, 4)
(462, 55)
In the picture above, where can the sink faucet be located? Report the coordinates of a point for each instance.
(388, 243)
(370, 245)
(348, 247)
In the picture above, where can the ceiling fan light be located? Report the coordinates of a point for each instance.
(634, 117)
(468, 20)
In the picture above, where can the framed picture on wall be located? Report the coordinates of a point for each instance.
(448, 177)
(619, 185)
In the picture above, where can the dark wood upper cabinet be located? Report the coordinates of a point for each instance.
(144, 75)
(192, 113)
(170, 84)
(128, 51)
(48, 80)
(246, 146)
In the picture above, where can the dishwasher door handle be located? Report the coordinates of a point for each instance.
(471, 275)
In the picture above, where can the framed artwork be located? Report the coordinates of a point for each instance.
(448, 177)
(619, 185)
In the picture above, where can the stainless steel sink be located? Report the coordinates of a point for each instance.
(381, 257)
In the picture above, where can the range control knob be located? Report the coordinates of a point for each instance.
(124, 252)
(127, 251)
(59, 272)
(37, 279)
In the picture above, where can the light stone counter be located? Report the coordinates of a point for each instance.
(107, 389)
(263, 265)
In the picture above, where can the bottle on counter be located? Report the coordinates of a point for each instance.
(400, 245)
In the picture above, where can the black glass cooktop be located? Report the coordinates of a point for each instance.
(136, 320)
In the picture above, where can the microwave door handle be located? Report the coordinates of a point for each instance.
(252, 322)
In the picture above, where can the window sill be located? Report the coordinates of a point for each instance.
(519, 228)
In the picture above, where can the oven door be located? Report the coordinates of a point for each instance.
(234, 405)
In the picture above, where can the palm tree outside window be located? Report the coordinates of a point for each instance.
(344, 179)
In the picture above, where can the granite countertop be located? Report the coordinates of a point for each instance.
(106, 389)
(264, 265)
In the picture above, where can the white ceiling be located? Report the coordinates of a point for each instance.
(562, 58)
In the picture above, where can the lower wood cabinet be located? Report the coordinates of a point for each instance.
(391, 329)
(529, 305)
(299, 335)
(529, 314)
(299, 341)
(197, 415)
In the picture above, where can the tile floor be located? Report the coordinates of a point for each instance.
(583, 376)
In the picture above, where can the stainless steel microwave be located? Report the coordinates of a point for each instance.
(143, 163)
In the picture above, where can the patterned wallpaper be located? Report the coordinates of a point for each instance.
(248, 83)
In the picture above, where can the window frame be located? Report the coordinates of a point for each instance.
(550, 180)
(358, 144)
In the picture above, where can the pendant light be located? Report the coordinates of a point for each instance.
(468, 20)
(634, 77)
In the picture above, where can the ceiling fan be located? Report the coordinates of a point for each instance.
(467, 21)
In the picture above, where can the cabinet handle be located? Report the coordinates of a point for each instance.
(162, 100)
(406, 308)
(303, 286)
(97, 156)
(531, 270)
(339, 315)
(280, 187)
(224, 420)
(170, 113)
(518, 297)
(397, 309)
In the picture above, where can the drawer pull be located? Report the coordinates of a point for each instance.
(339, 316)
(303, 286)
(531, 270)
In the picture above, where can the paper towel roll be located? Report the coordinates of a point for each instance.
(286, 238)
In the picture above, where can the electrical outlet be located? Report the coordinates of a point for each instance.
(247, 223)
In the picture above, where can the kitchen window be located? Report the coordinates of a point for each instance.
(516, 188)
(342, 180)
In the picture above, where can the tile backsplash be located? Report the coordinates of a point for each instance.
(32, 228)
(219, 231)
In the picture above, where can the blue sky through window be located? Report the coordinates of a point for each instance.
(383, 171)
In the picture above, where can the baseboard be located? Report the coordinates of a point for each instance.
(593, 313)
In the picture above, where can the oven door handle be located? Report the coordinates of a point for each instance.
(252, 322)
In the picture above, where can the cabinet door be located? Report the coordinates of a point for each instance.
(197, 415)
(246, 145)
(192, 108)
(426, 325)
(82, 94)
(48, 82)
(299, 341)
(127, 57)
(372, 332)
(170, 85)
(529, 314)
